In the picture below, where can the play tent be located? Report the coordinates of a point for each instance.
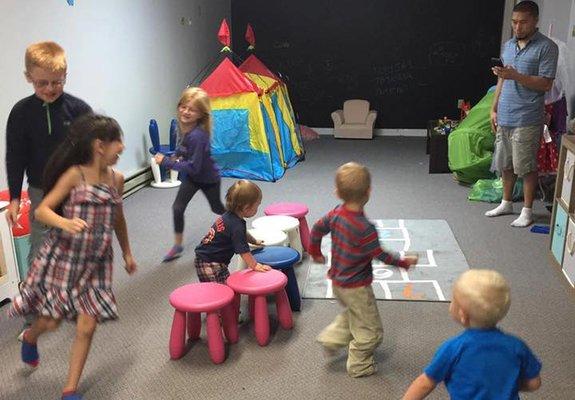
(244, 143)
(278, 105)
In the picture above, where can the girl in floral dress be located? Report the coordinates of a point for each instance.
(71, 276)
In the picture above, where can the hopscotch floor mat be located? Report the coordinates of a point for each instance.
(441, 261)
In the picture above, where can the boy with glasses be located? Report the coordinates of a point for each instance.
(36, 125)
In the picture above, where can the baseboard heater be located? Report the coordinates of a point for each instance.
(137, 181)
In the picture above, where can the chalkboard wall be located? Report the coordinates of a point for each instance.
(412, 59)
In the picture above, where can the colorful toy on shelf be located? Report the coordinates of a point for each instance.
(445, 126)
(464, 108)
(160, 179)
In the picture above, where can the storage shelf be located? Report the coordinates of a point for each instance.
(562, 243)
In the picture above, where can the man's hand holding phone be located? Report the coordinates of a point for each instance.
(502, 71)
(496, 62)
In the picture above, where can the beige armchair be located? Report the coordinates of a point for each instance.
(355, 121)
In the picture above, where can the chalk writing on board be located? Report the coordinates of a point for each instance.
(443, 54)
(394, 78)
(391, 68)
(281, 44)
(390, 91)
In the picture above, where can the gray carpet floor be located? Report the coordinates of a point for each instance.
(129, 357)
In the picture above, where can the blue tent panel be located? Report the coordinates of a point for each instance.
(278, 169)
(290, 156)
(231, 148)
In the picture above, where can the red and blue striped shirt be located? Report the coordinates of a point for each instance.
(354, 243)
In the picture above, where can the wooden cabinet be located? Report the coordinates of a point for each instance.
(562, 244)
(569, 253)
(567, 179)
(436, 147)
(559, 234)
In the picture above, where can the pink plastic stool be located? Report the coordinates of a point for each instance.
(192, 300)
(258, 285)
(296, 210)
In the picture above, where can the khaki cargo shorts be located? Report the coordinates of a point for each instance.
(516, 149)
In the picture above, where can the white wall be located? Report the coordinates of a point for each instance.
(558, 17)
(127, 59)
(554, 17)
(507, 31)
(571, 60)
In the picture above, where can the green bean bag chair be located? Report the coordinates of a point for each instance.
(471, 144)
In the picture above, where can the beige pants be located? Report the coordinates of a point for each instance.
(516, 149)
(358, 327)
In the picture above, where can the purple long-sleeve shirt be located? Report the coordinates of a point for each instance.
(193, 158)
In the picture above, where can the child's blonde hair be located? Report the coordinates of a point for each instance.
(484, 295)
(202, 102)
(352, 181)
(242, 194)
(46, 55)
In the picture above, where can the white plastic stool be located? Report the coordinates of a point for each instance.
(289, 225)
(171, 182)
(271, 237)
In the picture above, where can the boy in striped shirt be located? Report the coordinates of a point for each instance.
(354, 244)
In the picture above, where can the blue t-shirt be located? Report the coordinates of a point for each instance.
(518, 105)
(483, 364)
(226, 237)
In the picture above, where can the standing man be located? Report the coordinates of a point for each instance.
(517, 113)
(36, 125)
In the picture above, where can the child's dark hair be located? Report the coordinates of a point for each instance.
(77, 148)
(242, 194)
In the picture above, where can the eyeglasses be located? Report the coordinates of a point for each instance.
(42, 83)
(183, 108)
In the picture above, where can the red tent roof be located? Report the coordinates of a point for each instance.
(253, 65)
(227, 80)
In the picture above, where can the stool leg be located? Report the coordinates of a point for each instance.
(156, 170)
(162, 173)
(237, 300)
(215, 338)
(230, 319)
(251, 306)
(284, 310)
(295, 242)
(304, 233)
(292, 290)
(261, 320)
(194, 325)
(178, 335)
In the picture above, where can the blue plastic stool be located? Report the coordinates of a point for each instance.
(283, 259)
(166, 149)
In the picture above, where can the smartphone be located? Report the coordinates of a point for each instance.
(496, 62)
